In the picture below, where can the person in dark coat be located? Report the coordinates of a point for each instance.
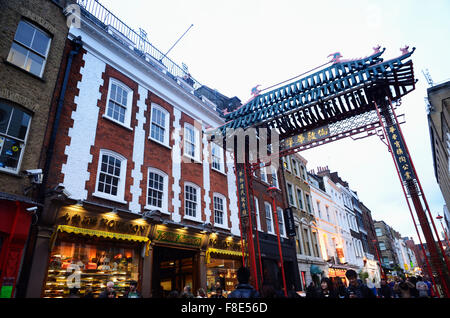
(312, 291)
(244, 289)
(356, 288)
(327, 289)
(385, 290)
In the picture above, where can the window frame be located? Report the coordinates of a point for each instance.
(29, 49)
(166, 140)
(225, 211)
(128, 107)
(281, 222)
(196, 156)
(274, 172)
(220, 157)
(165, 199)
(291, 203)
(267, 204)
(295, 168)
(300, 200)
(120, 197)
(198, 210)
(258, 220)
(22, 142)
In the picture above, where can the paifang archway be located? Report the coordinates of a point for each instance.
(347, 98)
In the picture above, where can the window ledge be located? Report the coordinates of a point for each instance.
(108, 197)
(117, 122)
(25, 71)
(221, 226)
(11, 172)
(152, 208)
(219, 171)
(159, 143)
(187, 217)
(193, 160)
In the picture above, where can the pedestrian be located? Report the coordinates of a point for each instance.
(312, 291)
(173, 294)
(327, 289)
(404, 288)
(268, 291)
(244, 289)
(292, 293)
(341, 289)
(201, 293)
(385, 291)
(89, 293)
(73, 293)
(132, 291)
(109, 291)
(356, 288)
(371, 285)
(218, 294)
(414, 291)
(422, 287)
(187, 292)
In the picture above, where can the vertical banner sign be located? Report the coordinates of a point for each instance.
(400, 154)
(242, 191)
(289, 222)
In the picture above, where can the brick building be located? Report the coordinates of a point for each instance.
(33, 36)
(140, 193)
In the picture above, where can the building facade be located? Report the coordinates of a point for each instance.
(138, 192)
(298, 197)
(438, 121)
(387, 247)
(31, 47)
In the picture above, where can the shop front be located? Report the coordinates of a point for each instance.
(14, 230)
(223, 259)
(90, 249)
(337, 275)
(178, 259)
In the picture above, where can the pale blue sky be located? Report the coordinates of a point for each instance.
(238, 44)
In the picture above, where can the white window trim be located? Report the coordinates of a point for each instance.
(198, 212)
(166, 126)
(271, 217)
(221, 158)
(303, 208)
(120, 197)
(274, 172)
(295, 167)
(293, 204)
(19, 163)
(281, 214)
(288, 163)
(258, 220)
(225, 211)
(196, 156)
(128, 111)
(164, 208)
(263, 172)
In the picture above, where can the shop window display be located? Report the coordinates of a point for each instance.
(91, 267)
(222, 273)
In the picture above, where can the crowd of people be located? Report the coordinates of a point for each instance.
(400, 287)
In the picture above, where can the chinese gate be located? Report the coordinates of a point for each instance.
(347, 98)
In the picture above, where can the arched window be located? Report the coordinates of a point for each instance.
(159, 125)
(220, 210)
(118, 107)
(192, 203)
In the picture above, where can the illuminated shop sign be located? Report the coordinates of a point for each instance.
(177, 238)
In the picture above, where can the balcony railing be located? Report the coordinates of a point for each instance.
(102, 17)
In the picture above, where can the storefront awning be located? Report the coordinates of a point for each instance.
(89, 232)
(221, 252)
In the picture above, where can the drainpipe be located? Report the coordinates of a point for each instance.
(31, 240)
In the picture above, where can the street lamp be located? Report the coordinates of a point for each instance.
(379, 260)
(272, 190)
(445, 232)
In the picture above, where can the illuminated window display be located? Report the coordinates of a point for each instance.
(221, 272)
(92, 266)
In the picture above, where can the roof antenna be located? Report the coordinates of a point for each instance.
(175, 43)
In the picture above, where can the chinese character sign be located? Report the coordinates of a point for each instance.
(305, 138)
(400, 154)
(242, 189)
